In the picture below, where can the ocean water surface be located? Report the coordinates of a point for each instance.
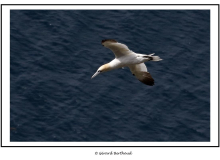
(54, 53)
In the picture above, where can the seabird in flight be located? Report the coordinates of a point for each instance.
(127, 58)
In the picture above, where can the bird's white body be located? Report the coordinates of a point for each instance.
(127, 58)
(123, 61)
(126, 61)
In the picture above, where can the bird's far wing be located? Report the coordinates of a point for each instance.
(118, 49)
(141, 73)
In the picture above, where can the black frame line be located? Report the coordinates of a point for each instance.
(110, 5)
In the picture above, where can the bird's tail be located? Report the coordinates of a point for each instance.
(153, 58)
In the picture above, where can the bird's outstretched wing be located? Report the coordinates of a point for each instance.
(141, 73)
(118, 49)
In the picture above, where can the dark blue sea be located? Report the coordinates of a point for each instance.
(54, 53)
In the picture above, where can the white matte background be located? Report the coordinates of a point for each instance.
(89, 152)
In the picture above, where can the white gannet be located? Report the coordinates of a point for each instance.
(127, 58)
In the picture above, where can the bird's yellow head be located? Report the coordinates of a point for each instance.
(103, 68)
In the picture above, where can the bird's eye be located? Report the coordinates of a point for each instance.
(99, 71)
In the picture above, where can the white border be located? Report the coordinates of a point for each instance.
(6, 76)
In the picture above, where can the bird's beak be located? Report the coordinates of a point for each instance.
(95, 75)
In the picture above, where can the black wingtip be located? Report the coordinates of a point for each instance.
(110, 40)
(148, 80)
